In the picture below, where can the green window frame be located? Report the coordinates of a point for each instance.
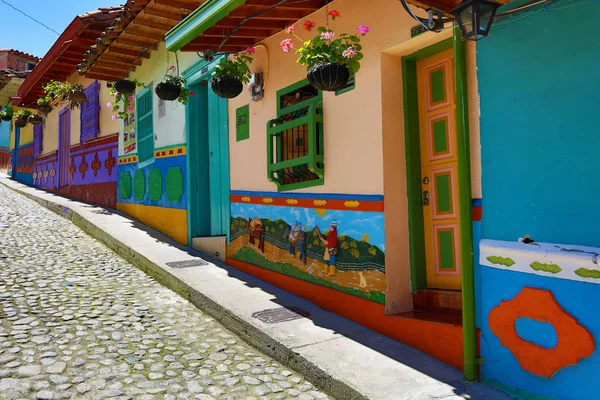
(295, 142)
(144, 120)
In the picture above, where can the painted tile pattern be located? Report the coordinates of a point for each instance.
(282, 232)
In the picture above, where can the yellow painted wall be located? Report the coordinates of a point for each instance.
(25, 135)
(170, 221)
(170, 129)
(364, 128)
(107, 125)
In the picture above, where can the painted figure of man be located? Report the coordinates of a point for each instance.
(255, 229)
(293, 234)
(330, 249)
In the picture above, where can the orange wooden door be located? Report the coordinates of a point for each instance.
(439, 170)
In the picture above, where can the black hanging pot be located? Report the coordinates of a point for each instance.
(45, 108)
(168, 91)
(5, 117)
(21, 123)
(35, 120)
(124, 86)
(226, 87)
(328, 77)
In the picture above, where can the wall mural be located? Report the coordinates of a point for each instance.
(538, 332)
(336, 243)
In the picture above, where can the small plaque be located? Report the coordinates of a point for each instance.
(281, 314)
(186, 263)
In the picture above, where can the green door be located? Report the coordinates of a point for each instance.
(208, 144)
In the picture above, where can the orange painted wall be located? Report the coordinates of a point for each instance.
(441, 341)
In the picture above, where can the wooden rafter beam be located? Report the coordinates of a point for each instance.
(308, 5)
(202, 40)
(140, 30)
(194, 47)
(251, 33)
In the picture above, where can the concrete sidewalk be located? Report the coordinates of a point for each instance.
(339, 356)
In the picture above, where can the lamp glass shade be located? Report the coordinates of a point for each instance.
(475, 17)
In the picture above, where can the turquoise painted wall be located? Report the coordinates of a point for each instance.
(5, 134)
(539, 79)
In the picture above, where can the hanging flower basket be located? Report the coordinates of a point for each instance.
(168, 91)
(226, 87)
(35, 119)
(6, 113)
(328, 77)
(21, 117)
(45, 108)
(125, 86)
(21, 123)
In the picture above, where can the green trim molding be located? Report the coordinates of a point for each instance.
(205, 16)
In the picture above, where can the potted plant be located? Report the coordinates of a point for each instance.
(126, 86)
(57, 92)
(173, 87)
(7, 113)
(21, 117)
(35, 119)
(121, 103)
(231, 73)
(44, 105)
(329, 62)
(76, 96)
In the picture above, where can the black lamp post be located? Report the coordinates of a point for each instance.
(475, 17)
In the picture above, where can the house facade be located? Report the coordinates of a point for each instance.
(400, 128)
(74, 152)
(539, 333)
(15, 66)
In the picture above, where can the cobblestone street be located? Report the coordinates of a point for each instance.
(77, 321)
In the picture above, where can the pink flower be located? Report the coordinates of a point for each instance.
(333, 14)
(363, 29)
(327, 35)
(172, 67)
(114, 117)
(129, 108)
(290, 29)
(116, 94)
(308, 25)
(108, 105)
(250, 50)
(349, 52)
(287, 44)
(130, 99)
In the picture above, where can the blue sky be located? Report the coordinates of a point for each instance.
(351, 223)
(19, 32)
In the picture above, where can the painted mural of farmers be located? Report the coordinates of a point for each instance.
(255, 229)
(331, 243)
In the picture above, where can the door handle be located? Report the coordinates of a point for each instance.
(426, 197)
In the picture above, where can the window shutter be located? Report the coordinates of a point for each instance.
(242, 123)
(145, 126)
(90, 114)
(37, 140)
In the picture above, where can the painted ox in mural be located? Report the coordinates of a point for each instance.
(255, 228)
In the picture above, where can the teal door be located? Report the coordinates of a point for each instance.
(208, 154)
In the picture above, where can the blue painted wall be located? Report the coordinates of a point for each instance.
(539, 83)
(5, 134)
(571, 383)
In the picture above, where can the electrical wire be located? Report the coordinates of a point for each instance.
(29, 16)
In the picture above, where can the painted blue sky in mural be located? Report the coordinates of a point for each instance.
(351, 223)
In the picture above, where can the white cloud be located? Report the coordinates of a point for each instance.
(295, 213)
(310, 221)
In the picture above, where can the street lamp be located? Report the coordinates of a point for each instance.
(475, 17)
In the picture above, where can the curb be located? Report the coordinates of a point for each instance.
(250, 334)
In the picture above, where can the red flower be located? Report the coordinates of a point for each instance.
(191, 94)
(333, 14)
(308, 25)
(172, 67)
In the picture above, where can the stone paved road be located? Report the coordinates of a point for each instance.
(79, 322)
